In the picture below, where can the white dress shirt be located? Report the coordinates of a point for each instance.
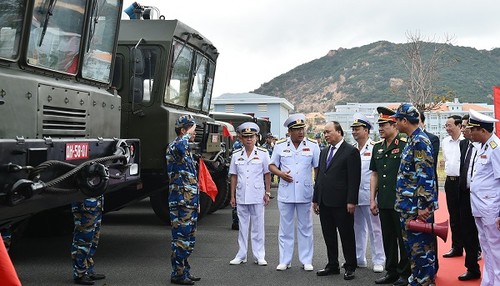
(451, 155)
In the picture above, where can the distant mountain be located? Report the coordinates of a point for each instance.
(373, 72)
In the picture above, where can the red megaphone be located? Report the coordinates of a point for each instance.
(438, 229)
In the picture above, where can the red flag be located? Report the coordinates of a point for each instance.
(8, 274)
(496, 104)
(226, 133)
(205, 182)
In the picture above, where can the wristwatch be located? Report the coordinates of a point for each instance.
(268, 194)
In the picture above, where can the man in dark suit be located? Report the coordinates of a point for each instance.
(335, 198)
(468, 225)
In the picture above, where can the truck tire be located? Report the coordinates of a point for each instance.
(159, 204)
(220, 179)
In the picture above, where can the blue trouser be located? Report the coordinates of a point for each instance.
(183, 238)
(87, 217)
(421, 249)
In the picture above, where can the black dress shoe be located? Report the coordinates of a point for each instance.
(387, 279)
(84, 280)
(469, 276)
(186, 281)
(96, 276)
(235, 226)
(401, 282)
(193, 278)
(348, 275)
(452, 253)
(328, 271)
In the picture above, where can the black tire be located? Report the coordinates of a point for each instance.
(221, 182)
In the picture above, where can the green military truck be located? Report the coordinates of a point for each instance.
(60, 137)
(165, 69)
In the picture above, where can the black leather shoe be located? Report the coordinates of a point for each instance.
(96, 276)
(193, 278)
(84, 280)
(328, 271)
(235, 226)
(401, 282)
(469, 276)
(387, 279)
(182, 281)
(348, 275)
(452, 253)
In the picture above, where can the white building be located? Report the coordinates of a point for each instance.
(273, 108)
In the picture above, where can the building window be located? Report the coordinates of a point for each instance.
(262, 107)
(229, 107)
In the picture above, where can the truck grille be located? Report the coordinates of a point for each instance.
(63, 122)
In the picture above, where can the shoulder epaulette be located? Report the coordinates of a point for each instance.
(493, 144)
(262, 149)
(237, 150)
(404, 139)
(281, 141)
(312, 140)
(376, 142)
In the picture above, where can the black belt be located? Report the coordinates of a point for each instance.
(452, 178)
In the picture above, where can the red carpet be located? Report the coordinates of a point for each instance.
(450, 268)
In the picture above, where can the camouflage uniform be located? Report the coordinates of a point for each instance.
(87, 216)
(415, 190)
(183, 203)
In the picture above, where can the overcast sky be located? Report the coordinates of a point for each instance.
(260, 39)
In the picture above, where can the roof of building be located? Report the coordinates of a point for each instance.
(250, 98)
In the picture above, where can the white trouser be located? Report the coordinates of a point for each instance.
(489, 238)
(251, 216)
(363, 221)
(286, 235)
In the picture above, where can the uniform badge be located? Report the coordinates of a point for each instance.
(286, 151)
(306, 149)
(255, 158)
(368, 154)
(380, 151)
(241, 159)
(483, 156)
(395, 151)
(493, 144)
(396, 141)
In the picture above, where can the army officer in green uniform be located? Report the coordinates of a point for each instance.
(384, 165)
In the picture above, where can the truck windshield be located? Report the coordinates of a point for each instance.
(55, 35)
(191, 79)
(11, 24)
(102, 35)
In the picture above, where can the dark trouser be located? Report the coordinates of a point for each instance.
(393, 240)
(469, 233)
(452, 187)
(331, 220)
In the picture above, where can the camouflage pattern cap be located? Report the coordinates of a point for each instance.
(408, 111)
(184, 121)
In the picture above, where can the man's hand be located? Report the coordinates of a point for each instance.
(233, 202)
(316, 208)
(424, 214)
(192, 130)
(266, 200)
(286, 176)
(374, 208)
(351, 208)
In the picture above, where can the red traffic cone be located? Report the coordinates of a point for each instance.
(8, 275)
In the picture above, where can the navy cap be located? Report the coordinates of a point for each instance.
(318, 135)
(248, 128)
(184, 121)
(361, 120)
(269, 135)
(477, 119)
(408, 111)
(296, 121)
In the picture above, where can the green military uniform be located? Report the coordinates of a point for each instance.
(385, 162)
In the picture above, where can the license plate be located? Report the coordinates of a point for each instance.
(77, 151)
(215, 138)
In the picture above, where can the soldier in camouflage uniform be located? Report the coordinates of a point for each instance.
(87, 216)
(416, 195)
(183, 199)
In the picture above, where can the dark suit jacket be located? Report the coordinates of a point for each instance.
(463, 144)
(435, 152)
(338, 184)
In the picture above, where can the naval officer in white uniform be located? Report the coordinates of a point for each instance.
(250, 190)
(485, 193)
(365, 223)
(293, 161)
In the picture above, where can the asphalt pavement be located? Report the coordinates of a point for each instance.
(135, 250)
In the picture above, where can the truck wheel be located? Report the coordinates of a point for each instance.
(159, 204)
(220, 180)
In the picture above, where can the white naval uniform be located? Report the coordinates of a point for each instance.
(296, 197)
(485, 204)
(364, 220)
(250, 191)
